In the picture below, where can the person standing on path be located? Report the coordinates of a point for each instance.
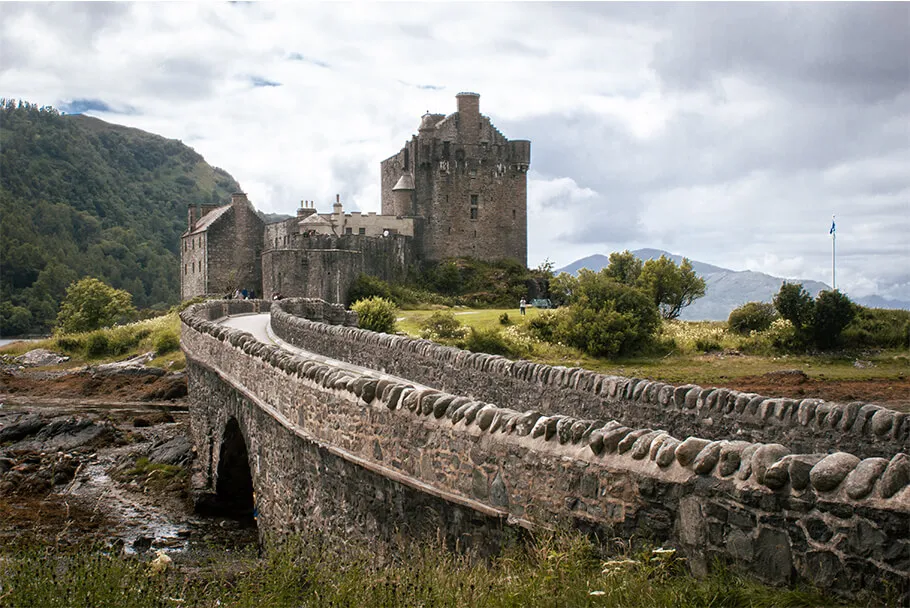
(522, 305)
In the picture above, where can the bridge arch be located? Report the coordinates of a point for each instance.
(234, 491)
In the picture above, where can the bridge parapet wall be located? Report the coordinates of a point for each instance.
(832, 519)
(806, 425)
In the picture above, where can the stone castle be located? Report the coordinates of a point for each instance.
(457, 189)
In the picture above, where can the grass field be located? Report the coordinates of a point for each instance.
(685, 363)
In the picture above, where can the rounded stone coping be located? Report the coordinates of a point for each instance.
(840, 476)
(861, 420)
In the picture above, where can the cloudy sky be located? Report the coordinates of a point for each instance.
(729, 133)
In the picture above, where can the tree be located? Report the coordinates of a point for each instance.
(90, 304)
(833, 312)
(819, 322)
(624, 267)
(795, 305)
(671, 287)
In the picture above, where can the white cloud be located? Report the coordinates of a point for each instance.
(730, 140)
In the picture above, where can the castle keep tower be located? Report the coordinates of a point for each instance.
(464, 183)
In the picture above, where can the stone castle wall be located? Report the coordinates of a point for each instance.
(325, 266)
(806, 425)
(831, 519)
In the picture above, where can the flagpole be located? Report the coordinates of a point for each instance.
(833, 249)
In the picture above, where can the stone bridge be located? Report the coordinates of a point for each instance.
(372, 437)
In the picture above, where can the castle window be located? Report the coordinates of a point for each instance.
(184, 269)
(185, 246)
(407, 159)
(474, 206)
(445, 149)
(349, 231)
(194, 267)
(361, 231)
(513, 214)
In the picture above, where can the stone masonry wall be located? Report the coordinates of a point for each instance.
(806, 425)
(831, 519)
(326, 266)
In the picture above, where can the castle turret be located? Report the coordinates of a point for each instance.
(403, 195)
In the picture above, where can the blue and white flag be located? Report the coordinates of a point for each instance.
(832, 227)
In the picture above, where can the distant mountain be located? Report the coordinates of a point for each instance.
(273, 218)
(726, 289)
(82, 197)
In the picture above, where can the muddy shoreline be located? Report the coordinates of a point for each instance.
(90, 459)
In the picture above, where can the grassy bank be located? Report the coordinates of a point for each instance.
(160, 335)
(702, 352)
(553, 572)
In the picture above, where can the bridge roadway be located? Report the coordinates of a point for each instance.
(259, 326)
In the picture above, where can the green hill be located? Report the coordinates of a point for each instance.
(82, 197)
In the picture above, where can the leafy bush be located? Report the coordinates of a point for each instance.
(544, 326)
(490, 341)
(607, 318)
(878, 328)
(97, 344)
(504, 319)
(707, 345)
(166, 341)
(366, 286)
(442, 324)
(376, 314)
(751, 316)
(780, 337)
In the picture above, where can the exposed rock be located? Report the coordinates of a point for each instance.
(40, 357)
(177, 451)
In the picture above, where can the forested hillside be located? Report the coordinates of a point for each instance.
(82, 197)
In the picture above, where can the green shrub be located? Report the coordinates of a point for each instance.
(442, 324)
(544, 326)
(97, 344)
(607, 318)
(504, 319)
(780, 337)
(751, 316)
(376, 314)
(707, 345)
(878, 328)
(70, 343)
(489, 341)
(366, 286)
(166, 341)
